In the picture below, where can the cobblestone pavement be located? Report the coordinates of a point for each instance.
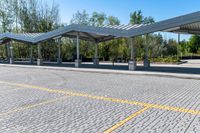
(55, 101)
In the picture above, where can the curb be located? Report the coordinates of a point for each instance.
(106, 71)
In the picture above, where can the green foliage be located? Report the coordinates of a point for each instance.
(194, 44)
(137, 18)
(148, 20)
(80, 18)
(68, 49)
(98, 19)
(36, 16)
(30, 16)
(169, 59)
(113, 20)
(171, 47)
(5, 16)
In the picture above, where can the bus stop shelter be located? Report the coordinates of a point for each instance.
(186, 24)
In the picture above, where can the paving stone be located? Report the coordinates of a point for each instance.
(80, 114)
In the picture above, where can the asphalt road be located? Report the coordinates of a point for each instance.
(58, 101)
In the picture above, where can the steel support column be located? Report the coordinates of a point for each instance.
(77, 61)
(39, 60)
(96, 59)
(31, 54)
(11, 53)
(59, 60)
(178, 46)
(146, 59)
(132, 63)
(8, 52)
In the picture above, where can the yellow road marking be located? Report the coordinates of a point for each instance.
(121, 123)
(116, 100)
(32, 106)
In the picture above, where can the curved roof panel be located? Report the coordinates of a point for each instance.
(187, 24)
(22, 37)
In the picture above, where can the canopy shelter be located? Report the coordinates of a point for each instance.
(90, 33)
(83, 32)
(21, 37)
(186, 24)
(27, 38)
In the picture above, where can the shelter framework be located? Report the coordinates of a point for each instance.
(186, 24)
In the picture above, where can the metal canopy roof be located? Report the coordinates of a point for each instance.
(22, 37)
(98, 34)
(91, 33)
(193, 28)
(125, 27)
(187, 24)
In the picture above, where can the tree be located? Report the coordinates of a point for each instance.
(80, 18)
(156, 45)
(28, 16)
(111, 50)
(98, 19)
(148, 20)
(171, 47)
(113, 21)
(194, 44)
(6, 20)
(184, 47)
(137, 18)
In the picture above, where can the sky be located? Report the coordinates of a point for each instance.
(158, 9)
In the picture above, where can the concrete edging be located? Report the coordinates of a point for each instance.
(106, 71)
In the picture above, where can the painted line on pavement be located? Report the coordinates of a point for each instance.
(121, 123)
(116, 100)
(32, 106)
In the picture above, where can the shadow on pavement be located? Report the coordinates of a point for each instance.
(165, 69)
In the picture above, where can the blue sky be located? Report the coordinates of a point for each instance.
(159, 9)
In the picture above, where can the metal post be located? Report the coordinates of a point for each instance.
(96, 50)
(146, 60)
(132, 63)
(59, 60)
(39, 60)
(96, 60)
(11, 54)
(77, 46)
(39, 51)
(132, 49)
(31, 54)
(77, 61)
(59, 51)
(146, 53)
(178, 47)
(8, 52)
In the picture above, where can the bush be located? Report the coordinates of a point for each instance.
(165, 60)
(162, 60)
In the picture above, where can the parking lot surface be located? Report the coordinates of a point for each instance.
(58, 101)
